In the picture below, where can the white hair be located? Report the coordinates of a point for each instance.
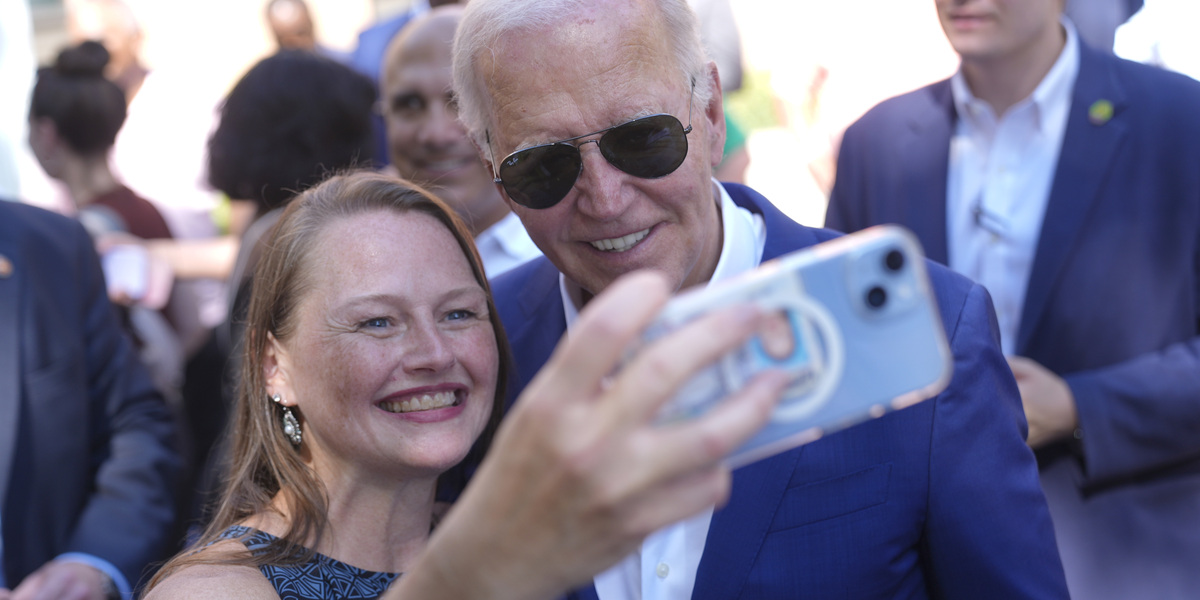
(485, 22)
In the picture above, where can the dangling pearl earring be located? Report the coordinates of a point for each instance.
(291, 425)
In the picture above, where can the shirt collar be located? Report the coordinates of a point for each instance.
(509, 234)
(1051, 98)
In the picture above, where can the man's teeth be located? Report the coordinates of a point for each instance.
(426, 402)
(621, 244)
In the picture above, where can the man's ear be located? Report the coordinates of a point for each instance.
(714, 114)
(485, 156)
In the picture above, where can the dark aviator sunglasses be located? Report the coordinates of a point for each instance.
(648, 147)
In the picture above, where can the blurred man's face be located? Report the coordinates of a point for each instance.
(112, 25)
(292, 26)
(607, 68)
(991, 30)
(426, 142)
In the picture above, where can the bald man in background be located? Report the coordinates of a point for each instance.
(292, 26)
(428, 145)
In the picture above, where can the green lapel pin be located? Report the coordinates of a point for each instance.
(1100, 112)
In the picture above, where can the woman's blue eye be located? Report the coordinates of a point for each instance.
(456, 315)
(376, 322)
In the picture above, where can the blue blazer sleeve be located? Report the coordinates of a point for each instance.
(93, 461)
(128, 517)
(988, 533)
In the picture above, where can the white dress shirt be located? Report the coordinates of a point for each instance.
(1000, 175)
(665, 566)
(505, 245)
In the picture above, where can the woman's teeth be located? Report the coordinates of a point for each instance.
(425, 402)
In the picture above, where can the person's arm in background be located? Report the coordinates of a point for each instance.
(1133, 417)
(200, 258)
(126, 522)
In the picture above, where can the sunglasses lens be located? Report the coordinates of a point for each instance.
(649, 148)
(541, 176)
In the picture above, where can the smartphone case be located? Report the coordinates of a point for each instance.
(853, 320)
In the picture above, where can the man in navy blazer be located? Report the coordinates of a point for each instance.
(939, 500)
(87, 462)
(1104, 338)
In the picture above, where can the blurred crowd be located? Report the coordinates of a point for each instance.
(178, 174)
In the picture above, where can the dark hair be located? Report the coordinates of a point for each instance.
(262, 462)
(291, 120)
(87, 109)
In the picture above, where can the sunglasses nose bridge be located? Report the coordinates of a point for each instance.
(601, 189)
(599, 158)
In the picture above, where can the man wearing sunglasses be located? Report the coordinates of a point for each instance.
(601, 121)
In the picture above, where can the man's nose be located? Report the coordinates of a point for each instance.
(601, 186)
(442, 128)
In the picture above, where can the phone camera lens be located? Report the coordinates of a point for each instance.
(876, 297)
(894, 260)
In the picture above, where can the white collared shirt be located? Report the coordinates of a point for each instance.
(665, 566)
(999, 179)
(505, 245)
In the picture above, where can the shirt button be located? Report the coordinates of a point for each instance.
(662, 571)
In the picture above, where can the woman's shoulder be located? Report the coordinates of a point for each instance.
(200, 581)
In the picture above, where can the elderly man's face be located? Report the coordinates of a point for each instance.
(605, 70)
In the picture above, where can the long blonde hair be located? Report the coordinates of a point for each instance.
(262, 462)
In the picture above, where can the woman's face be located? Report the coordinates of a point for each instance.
(43, 140)
(393, 361)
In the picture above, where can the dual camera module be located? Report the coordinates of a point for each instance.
(893, 262)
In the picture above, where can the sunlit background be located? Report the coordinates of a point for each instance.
(811, 67)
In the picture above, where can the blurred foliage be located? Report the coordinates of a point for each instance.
(754, 104)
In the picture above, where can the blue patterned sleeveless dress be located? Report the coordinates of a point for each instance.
(321, 578)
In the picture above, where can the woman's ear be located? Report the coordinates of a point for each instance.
(276, 365)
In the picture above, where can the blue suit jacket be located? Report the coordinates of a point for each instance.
(87, 463)
(937, 500)
(1113, 305)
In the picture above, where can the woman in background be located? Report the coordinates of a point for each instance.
(74, 116)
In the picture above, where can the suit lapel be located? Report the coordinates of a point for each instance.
(738, 529)
(584, 593)
(10, 364)
(541, 324)
(925, 152)
(1085, 161)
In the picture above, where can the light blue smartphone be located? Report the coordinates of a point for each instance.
(853, 320)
